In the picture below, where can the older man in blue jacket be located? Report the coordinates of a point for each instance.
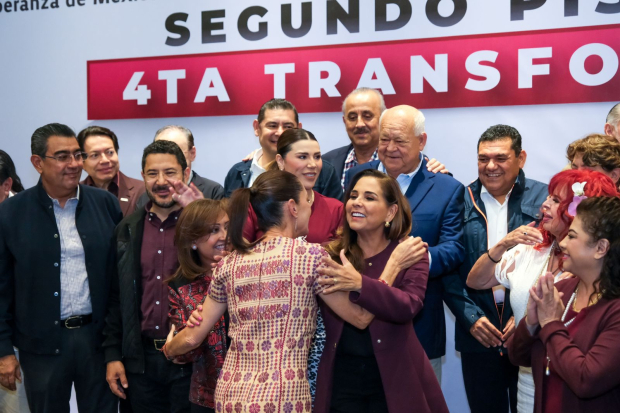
(436, 202)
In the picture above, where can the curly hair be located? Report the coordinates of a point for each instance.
(596, 150)
(597, 184)
(600, 218)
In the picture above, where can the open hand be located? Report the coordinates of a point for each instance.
(339, 277)
(525, 234)
(184, 194)
(549, 306)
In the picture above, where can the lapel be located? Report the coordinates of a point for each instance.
(125, 191)
(244, 173)
(421, 183)
(198, 182)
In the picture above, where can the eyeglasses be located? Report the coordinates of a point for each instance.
(65, 158)
(94, 156)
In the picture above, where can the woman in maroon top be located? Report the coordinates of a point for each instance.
(299, 153)
(571, 332)
(382, 368)
(200, 239)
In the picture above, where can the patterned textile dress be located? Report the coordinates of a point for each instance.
(208, 359)
(271, 301)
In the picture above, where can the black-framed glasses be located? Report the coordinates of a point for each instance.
(66, 157)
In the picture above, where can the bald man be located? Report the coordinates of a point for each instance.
(612, 125)
(436, 202)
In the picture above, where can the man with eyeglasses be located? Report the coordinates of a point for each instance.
(101, 163)
(56, 257)
(184, 138)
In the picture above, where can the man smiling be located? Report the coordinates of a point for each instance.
(137, 322)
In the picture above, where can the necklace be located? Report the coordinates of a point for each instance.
(566, 324)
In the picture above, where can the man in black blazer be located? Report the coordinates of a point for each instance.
(185, 139)
(55, 265)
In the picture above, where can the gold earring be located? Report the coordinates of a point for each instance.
(387, 224)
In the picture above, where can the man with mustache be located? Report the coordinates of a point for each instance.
(55, 259)
(361, 111)
(137, 321)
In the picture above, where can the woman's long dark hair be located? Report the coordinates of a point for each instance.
(7, 170)
(267, 196)
(600, 217)
(400, 226)
(196, 221)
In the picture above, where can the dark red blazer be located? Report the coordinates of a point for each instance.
(589, 362)
(407, 376)
(129, 191)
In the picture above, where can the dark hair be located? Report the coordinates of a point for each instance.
(165, 147)
(277, 104)
(38, 142)
(196, 221)
(600, 217)
(267, 196)
(7, 170)
(96, 131)
(399, 227)
(498, 132)
(188, 134)
(286, 141)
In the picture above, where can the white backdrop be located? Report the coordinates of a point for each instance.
(44, 80)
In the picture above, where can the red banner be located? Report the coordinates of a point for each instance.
(544, 67)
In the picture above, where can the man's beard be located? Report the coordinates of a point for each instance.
(156, 188)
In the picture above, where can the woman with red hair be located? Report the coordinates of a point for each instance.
(519, 259)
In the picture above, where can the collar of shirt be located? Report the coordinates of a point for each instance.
(351, 159)
(486, 196)
(255, 168)
(11, 194)
(152, 217)
(404, 180)
(76, 198)
(113, 187)
(191, 176)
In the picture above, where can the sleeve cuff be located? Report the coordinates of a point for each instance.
(113, 354)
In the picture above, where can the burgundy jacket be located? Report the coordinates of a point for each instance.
(407, 376)
(129, 190)
(589, 362)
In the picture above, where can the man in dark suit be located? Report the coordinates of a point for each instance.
(274, 117)
(184, 138)
(103, 167)
(55, 265)
(436, 202)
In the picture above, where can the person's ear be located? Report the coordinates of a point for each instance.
(186, 174)
(280, 162)
(602, 248)
(522, 158)
(609, 130)
(37, 162)
(392, 210)
(6, 185)
(192, 154)
(256, 127)
(423, 137)
(615, 175)
(292, 208)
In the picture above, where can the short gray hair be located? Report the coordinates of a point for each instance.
(365, 90)
(188, 134)
(418, 122)
(613, 117)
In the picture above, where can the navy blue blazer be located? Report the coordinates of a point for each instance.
(30, 271)
(327, 184)
(337, 157)
(436, 202)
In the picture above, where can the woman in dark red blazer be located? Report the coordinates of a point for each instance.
(382, 368)
(571, 341)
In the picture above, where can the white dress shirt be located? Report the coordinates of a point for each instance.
(255, 168)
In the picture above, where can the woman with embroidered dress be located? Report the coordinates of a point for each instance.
(519, 259)
(200, 240)
(269, 288)
(300, 154)
(571, 331)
